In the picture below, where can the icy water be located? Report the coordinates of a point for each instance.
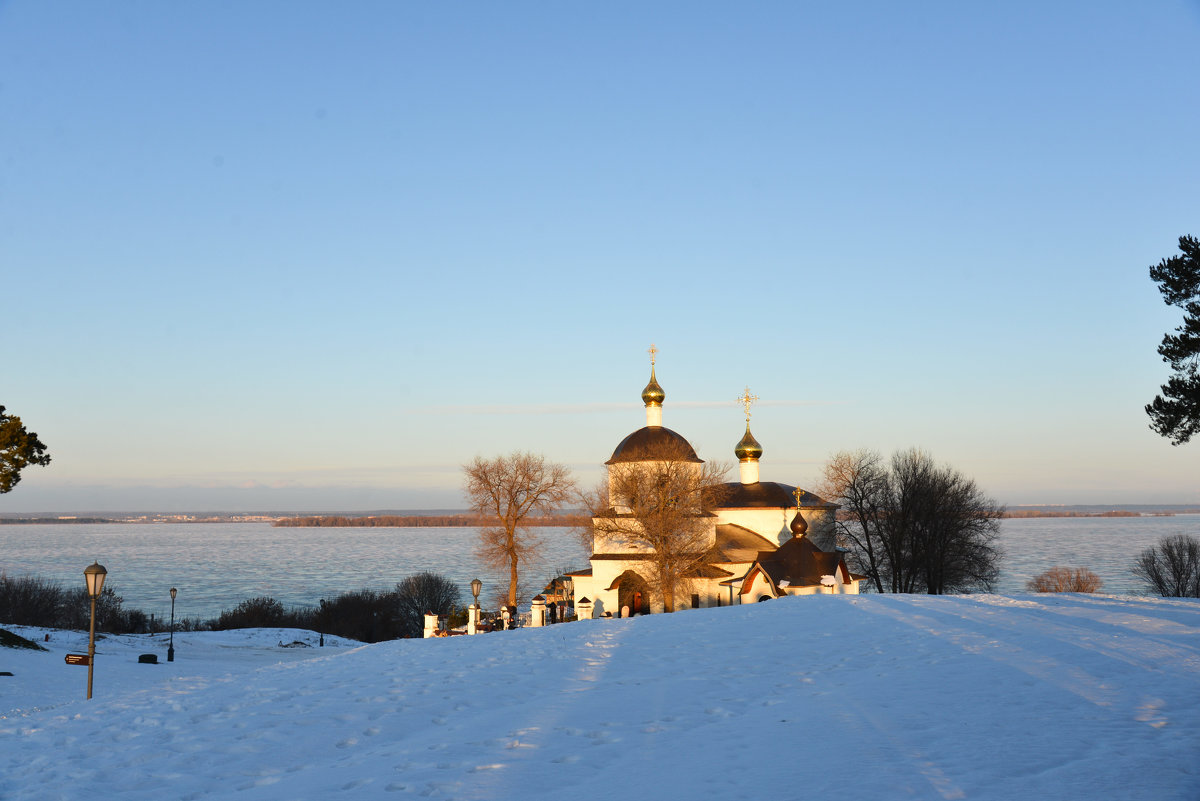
(215, 566)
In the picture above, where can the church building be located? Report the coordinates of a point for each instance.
(755, 540)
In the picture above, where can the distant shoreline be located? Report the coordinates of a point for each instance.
(419, 521)
(1024, 513)
(458, 519)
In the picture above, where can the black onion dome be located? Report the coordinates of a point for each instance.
(799, 525)
(748, 448)
(654, 443)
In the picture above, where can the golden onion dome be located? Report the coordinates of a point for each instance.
(653, 394)
(799, 525)
(748, 448)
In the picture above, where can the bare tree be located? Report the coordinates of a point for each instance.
(914, 525)
(1171, 568)
(858, 481)
(421, 593)
(1065, 579)
(661, 505)
(508, 489)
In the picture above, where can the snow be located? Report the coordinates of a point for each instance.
(973, 697)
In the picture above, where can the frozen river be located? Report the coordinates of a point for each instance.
(217, 565)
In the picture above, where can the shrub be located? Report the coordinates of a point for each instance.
(256, 613)
(457, 617)
(1171, 568)
(31, 601)
(365, 615)
(1065, 579)
(111, 615)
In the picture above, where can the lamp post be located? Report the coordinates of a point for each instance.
(171, 647)
(473, 615)
(94, 575)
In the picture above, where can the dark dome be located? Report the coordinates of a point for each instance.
(654, 443)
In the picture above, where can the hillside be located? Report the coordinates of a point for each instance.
(974, 697)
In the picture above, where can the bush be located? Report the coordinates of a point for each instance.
(365, 615)
(31, 601)
(1065, 579)
(1171, 568)
(256, 613)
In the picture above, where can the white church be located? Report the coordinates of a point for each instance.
(763, 540)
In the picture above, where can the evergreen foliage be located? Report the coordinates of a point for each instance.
(1175, 412)
(18, 449)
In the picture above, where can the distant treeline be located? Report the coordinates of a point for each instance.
(27, 521)
(418, 521)
(1064, 513)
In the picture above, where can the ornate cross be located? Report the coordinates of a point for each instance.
(799, 493)
(653, 351)
(747, 400)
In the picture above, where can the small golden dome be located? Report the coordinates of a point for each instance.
(653, 394)
(748, 448)
(799, 525)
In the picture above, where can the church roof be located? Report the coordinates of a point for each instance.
(799, 563)
(767, 495)
(737, 544)
(651, 443)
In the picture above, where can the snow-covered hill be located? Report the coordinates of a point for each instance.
(879, 697)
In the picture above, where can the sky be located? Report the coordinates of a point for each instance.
(315, 256)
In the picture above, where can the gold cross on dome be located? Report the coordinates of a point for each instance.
(746, 399)
(799, 493)
(653, 352)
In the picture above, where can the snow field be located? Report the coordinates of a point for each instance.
(976, 697)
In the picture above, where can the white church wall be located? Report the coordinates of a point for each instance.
(758, 587)
(775, 524)
(767, 523)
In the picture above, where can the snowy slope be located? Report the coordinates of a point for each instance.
(875, 697)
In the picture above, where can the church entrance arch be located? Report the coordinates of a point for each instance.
(633, 592)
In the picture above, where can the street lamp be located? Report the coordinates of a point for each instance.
(94, 575)
(473, 616)
(171, 647)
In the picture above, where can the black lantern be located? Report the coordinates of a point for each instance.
(94, 575)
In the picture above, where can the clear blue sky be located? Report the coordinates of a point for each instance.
(317, 255)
